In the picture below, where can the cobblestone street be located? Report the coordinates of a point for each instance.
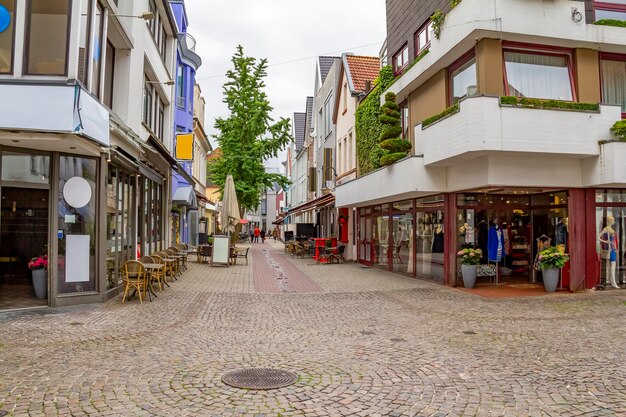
(363, 343)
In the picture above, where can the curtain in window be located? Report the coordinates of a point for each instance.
(538, 76)
(614, 82)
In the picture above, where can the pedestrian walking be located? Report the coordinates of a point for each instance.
(257, 233)
(262, 236)
(275, 233)
(251, 233)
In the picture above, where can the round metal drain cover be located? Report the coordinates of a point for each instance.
(259, 378)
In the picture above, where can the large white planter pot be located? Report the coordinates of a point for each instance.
(469, 275)
(40, 283)
(550, 279)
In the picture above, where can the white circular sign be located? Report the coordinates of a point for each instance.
(77, 192)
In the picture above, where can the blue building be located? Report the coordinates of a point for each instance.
(185, 215)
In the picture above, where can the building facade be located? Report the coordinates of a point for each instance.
(85, 163)
(509, 113)
(186, 210)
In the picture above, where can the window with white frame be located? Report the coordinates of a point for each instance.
(42, 55)
(328, 117)
(155, 25)
(538, 75)
(180, 86)
(423, 37)
(401, 59)
(613, 77)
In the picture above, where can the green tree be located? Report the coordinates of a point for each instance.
(248, 136)
(390, 140)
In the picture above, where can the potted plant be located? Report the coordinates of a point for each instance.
(39, 271)
(470, 259)
(551, 260)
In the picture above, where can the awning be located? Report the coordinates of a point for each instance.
(320, 202)
(185, 196)
(243, 221)
(202, 198)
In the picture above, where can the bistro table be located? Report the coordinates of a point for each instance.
(321, 242)
(151, 268)
(168, 261)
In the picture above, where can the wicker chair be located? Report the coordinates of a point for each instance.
(163, 273)
(205, 252)
(178, 264)
(134, 276)
(169, 266)
(154, 275)
(183, 258)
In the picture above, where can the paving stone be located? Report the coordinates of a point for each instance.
(363, 342)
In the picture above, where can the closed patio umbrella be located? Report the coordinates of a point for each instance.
(230, 206)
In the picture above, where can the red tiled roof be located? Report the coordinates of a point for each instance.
(362, 69)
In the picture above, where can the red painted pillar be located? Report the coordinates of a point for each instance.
(592, 267)
(449, 240)
(582, 238)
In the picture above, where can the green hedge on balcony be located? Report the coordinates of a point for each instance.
(439, 116)
(611, 22)
(535, 103)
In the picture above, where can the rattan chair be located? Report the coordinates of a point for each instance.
(183, 256)
(205, 252)
(154, 275)
(163, 272)
(179, 261)
(134, 276)
(169, 266)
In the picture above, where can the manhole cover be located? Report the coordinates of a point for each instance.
(259, 378)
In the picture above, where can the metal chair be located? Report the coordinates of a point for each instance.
(323, 255)
(204, 253)
(339, 255)
(134, 276)
(241, 253)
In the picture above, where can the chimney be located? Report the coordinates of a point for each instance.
(368, 86)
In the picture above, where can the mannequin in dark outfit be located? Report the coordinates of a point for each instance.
(438, 240)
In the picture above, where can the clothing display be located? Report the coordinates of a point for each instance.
(610, 244)
(438, 241)
(506, 232)
(560, 233)
(495, 244)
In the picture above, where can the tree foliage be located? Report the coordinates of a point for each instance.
(248, 136)
(390, 140)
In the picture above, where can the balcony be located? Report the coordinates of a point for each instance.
(541, 22)
(407, 178)
(483, 126)
(607, 170)
(53, 108)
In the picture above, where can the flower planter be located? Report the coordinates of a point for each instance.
(469, 275)
(40, 283)
(550, 279)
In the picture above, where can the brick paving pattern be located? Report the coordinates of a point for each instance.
(368, 343)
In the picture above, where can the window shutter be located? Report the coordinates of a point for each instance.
(328, 164)
(312, 179)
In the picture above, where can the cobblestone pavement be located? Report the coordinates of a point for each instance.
(363, 342)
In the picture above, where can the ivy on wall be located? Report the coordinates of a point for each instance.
(368, 126)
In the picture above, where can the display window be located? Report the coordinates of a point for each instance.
(611, 232)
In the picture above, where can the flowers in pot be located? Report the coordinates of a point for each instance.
(470, 259)
(551, 260)
(39, 267)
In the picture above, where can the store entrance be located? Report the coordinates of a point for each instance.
(23, 236)
(527, 224)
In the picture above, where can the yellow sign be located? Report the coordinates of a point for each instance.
(184, 146)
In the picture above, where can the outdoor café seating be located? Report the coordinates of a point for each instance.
(134, 277)
(153, 273)
(240, 253)
(205, 252)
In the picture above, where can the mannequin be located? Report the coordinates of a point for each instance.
(438, 239)
(609, 244)
(560, 233)
(495, 242)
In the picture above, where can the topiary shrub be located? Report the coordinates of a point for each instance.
(390, 140)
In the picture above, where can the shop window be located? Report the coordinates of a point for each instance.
(463, 79)
(611, 232)
(613, 77)
(550, 199)
(401, 60)
(538, 75)
(423, 37)
(77, 244)
(47, 36)
(21, 167)
(96, 53)
(612, 9)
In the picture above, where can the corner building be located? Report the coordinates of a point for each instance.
(523, 96)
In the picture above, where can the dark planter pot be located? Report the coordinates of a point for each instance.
(550, 279)
(40, 283)
(469, 275)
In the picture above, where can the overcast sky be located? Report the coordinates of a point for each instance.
(281, 31)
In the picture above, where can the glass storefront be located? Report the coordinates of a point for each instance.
(121, 192)
(525, 224)
(150, 210)
(610, 235)
(77, 219)
(405, 237)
